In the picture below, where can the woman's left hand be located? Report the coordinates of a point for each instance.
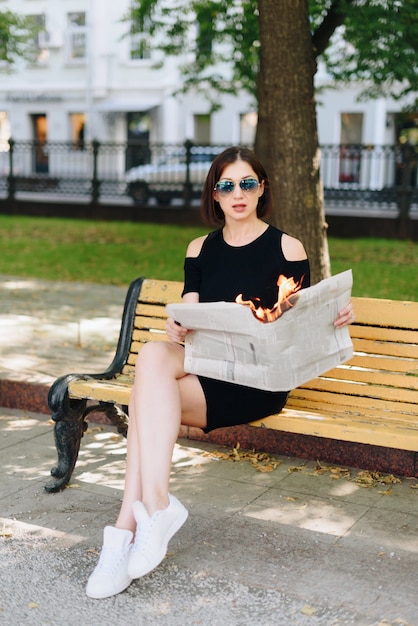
(175, 331)
(345, 316)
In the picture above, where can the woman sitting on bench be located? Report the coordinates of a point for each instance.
(244, 256)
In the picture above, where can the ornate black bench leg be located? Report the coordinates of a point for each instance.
(68, 416)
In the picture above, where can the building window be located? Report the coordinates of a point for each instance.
(140, 48)
(248, 128)
(77, 36)
(202, 129)
(138, 126)
(4, 131)
(40, 38)
(40, 158)
(77, 128)
(205, 31)
(350, 151)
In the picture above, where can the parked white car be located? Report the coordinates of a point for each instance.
(167, 179)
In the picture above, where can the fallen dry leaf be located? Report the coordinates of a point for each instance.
(264, 468)
(397, 622)
(95, 429)
(308, 610)
(260, 461)
(388, 480)
(371, 479)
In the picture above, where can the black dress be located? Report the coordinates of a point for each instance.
(220, 273)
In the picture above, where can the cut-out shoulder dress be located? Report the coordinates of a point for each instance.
(220, 273)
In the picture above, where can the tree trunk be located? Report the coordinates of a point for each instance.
(287, 137)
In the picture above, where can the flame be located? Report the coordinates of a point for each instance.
(286, 298)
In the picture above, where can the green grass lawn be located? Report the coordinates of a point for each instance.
(117, 252)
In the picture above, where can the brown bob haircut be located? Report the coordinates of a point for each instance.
(210, 208)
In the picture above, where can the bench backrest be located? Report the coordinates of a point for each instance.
(382, 376)
(383, 373)
(150, 317)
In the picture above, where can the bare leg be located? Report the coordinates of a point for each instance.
(162, 398)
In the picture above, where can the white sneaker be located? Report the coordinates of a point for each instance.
(110, 576)
(153, 534)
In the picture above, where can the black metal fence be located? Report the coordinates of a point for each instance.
(355, 177)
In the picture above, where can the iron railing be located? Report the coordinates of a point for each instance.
(355, 177)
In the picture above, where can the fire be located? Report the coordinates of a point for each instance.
(286, 298)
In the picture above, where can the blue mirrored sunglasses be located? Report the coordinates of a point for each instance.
(227, 186)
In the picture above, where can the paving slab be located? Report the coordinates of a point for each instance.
(49, 328)
(293, 546)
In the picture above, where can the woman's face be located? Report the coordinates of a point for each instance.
(238, 201)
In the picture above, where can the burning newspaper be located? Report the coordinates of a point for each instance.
(230, 344)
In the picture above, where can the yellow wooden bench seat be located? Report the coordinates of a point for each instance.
(371, 399)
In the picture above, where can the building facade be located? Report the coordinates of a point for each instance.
(92, 79)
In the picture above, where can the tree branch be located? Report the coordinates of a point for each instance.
(335, 17)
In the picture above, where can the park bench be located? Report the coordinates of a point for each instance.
(372, 399)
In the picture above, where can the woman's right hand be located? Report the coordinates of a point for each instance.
(175, 331)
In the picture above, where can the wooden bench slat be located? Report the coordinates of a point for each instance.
(390, 313)
(377, 333)
(142, 333)
(323, 398)
(104, 391)
(132, 360)
(149, 323)
(324, 402)
(386, 364)
(150, 310)
(161, 291)
(369, 376)
(345, 428)
(357, 390)
(129, 368)
(142, 337)
(386, 348)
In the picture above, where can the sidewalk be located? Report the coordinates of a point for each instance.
(295, 546)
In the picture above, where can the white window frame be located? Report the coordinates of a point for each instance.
(40, 42)
(140, 41)
(76, 31)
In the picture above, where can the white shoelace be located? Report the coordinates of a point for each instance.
(110, 559)
(143, 531)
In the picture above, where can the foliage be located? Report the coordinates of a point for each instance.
(223, 54)
(369, 40)
(117, 252)
(378, 44)
(17, 35)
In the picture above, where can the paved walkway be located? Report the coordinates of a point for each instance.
(51, 328)
(299, 545)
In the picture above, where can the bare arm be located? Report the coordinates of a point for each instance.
(175, 331)
(293, 250)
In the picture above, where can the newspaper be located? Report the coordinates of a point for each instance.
(230, 344)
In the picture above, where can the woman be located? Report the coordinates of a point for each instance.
(244, 256)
